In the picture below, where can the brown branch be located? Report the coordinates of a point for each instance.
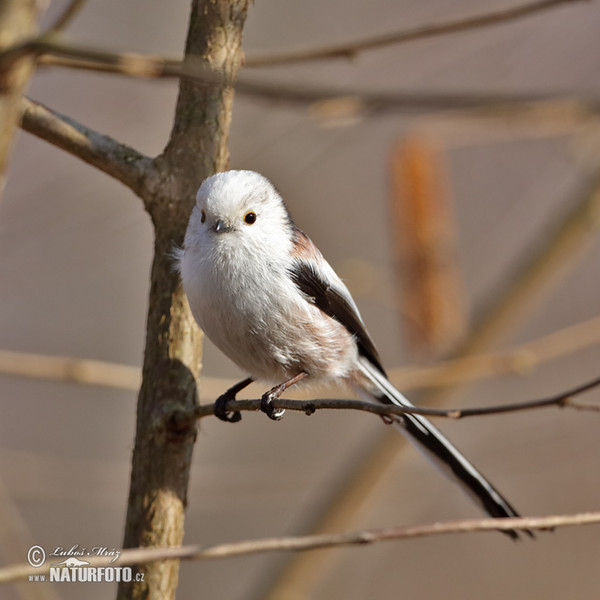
(310, 406)
(137, 556)
(521, 359)
(101, 151)
(65, 18)
(365, 101)
(56, 53)
(382, 101)
(65, 368)
(33, 46)
(148, 66)
(350, 50)
(18, 21)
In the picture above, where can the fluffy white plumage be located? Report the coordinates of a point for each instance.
(264, 294)
(240, 292)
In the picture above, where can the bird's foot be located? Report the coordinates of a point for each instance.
(266, 405)
(221, 411)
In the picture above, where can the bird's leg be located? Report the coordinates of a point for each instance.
(221, 402)
(266, 401)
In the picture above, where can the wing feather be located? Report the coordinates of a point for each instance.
(337, 303)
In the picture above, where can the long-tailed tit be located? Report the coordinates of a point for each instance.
(264, 294)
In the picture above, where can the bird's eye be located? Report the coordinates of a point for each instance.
(202, 216)
(250, 217)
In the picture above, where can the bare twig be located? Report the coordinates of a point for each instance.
(52, 51)
(385, 101)
(169, 67)
(519, 360)
(33, 46)
(64, 368)
(516, 361)
(57, 53)
(310, 406)
(350, 50)
(65, 18)
(131, 64)
(162, 66)
(136, 556)
(101, 151)
(18, 21)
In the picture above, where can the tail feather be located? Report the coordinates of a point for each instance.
(429, 439)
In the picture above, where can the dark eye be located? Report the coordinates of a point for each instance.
(250, 217)
(202, 216)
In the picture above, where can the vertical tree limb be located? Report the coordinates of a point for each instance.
(18, 21)
(196, 149)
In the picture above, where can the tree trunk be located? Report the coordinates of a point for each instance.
(163, 446)
(18, 22)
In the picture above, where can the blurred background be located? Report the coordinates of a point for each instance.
(448, 224)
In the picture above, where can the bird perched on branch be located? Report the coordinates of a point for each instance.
(263, 293)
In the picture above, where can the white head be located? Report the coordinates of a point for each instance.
(240, 208)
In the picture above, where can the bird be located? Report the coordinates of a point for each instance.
(264, 294)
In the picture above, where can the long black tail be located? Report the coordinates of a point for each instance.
(433, 442)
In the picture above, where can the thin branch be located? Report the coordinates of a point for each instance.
(148, 66)
(64, 368)
(365, 101)
(131, 64)
(516, 361)
(57, 53)
(65, 18)
(350, 50)
(34, 46)
(382, 101)
(101, 151)
(161, 66)
(310, 406)
(53, 51)
(136, 556)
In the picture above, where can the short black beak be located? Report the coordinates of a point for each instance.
(222, 226)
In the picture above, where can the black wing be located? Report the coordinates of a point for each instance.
(333, 303)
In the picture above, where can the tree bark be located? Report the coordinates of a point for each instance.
(18, 22)
(197, 148)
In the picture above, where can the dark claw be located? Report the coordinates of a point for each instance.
(266, 405)
(221, 411)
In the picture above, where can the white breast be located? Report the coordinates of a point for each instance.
(251, 309)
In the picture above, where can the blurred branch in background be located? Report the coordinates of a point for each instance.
(519, 361)
(523, 359)
(163, 66)
(350, 50)
(429, 283)
(18, 21)
(76, 370)
(361, 101)
(66, 17)
(18, 26)
(50, 50)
